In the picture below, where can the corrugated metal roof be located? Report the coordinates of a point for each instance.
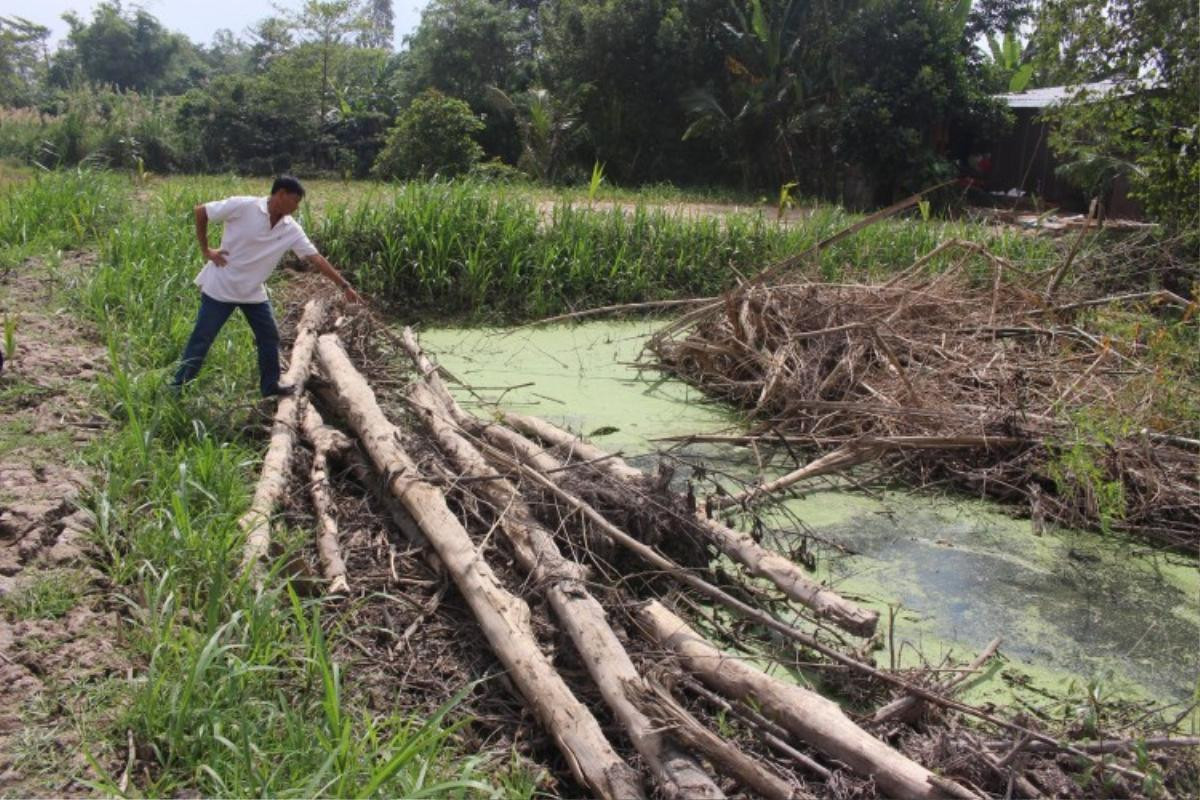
(1053, 95)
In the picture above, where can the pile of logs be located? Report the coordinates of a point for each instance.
(975, 376)
(620, 559)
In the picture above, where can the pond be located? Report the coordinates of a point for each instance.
(947, 574)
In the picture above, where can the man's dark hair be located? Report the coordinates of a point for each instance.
(288, 184)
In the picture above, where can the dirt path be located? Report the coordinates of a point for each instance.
(686, 211)
(60, 669)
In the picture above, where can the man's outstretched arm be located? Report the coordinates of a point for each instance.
(319, 261)
(215, 256)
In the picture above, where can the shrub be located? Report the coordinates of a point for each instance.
(433, 136)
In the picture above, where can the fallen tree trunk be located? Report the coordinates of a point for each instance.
(577, 610)
(807, 715)
(277, 463)
(740, 547)
(503, 618)
(728, 758)
(324, 443)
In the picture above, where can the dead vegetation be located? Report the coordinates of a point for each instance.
(981, 376)
(582, 602)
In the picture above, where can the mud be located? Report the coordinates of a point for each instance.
(58, 639)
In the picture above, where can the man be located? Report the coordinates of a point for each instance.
(258, 231)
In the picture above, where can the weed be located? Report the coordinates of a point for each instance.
(596, 179)
(45, 594)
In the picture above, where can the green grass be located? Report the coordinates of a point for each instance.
(44, 594)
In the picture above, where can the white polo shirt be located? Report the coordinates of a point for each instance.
(253, 249)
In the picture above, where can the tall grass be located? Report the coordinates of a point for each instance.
(57, 210)
(455, 249)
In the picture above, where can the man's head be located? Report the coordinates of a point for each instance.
(286, 194)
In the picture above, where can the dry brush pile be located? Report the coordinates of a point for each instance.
(618, 654)
(991, 383)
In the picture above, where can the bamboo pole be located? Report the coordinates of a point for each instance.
(740, 547)
(277, 463)
(325, 441)
(817, 721)
(577, 610)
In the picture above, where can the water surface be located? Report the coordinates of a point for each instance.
(1070, 606)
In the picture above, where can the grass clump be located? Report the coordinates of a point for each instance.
(44, 594)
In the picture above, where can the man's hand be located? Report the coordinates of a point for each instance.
(327, 269)
(218, 257)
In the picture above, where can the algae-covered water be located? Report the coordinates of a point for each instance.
(1072, 607)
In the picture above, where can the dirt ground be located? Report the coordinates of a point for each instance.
(60, 667)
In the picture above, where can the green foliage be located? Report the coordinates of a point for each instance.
(596, 180)
(1152, 48)
(1079, 470)
(21, 68)
(54, 211)
(431, 137)
(126, 50)
(902, 59)
(453, 249)
(467, 49)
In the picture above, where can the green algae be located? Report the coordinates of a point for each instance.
(1073, 608)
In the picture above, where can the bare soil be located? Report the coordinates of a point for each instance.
(59, 662)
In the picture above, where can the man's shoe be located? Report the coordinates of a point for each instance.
(282, 390)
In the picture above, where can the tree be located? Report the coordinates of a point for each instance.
(1151, 49)
(906, 76)
(326, 26)
(772, 50)
(461, 48)
(380, 25)
(433, 136)
(22, 60)
(124, 50)
(629, 62)
(270, 38)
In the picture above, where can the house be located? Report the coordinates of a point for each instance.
(1022, 161)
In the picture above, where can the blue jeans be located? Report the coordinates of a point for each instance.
(213, 315)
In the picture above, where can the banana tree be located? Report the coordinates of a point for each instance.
(765, 90)
(1007, 57)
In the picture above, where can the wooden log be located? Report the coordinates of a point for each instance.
(815, 720)
(325, 440)
(908, 708)
(503, 618)
(740, 547)
(729, 758)
(676, 773)
(834, 461)
(277, 463)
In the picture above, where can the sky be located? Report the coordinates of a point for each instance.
(198, 19)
